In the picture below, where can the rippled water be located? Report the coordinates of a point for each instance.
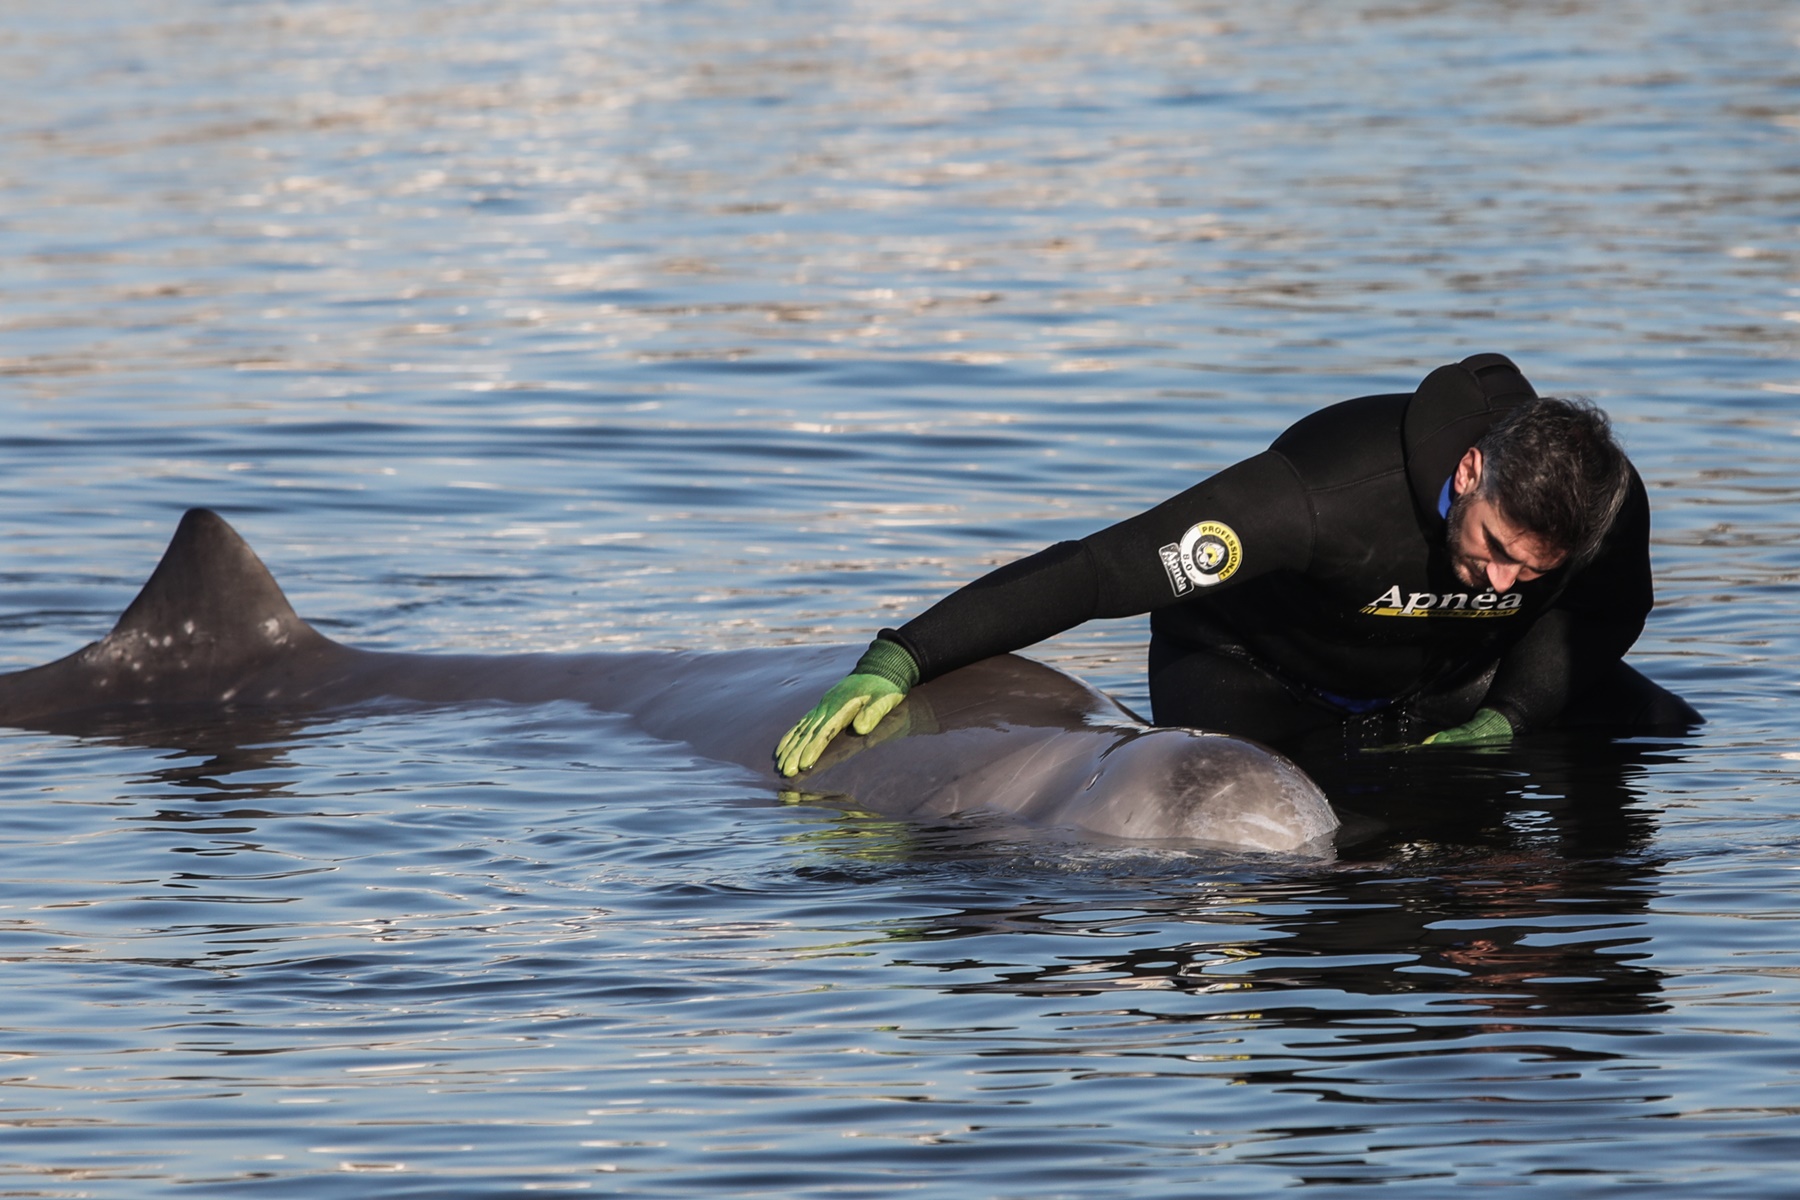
(546, 325)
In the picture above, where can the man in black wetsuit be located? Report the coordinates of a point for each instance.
(1468, 556)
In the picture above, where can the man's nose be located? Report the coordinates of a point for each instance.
(1502, 575)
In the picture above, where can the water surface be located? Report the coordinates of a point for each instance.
(545, 325)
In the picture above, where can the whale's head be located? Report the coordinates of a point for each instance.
(1204, 787)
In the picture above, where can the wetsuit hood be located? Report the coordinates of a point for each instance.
(1447, 414)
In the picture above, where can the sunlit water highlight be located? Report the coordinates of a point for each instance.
(550, 325)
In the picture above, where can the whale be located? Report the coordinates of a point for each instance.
(212, 634)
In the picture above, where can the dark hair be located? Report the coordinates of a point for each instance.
(1553, 467)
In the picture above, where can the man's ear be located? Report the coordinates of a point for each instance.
(1468, 472)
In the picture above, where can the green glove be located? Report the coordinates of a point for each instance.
(1485, 728)
(880, 680)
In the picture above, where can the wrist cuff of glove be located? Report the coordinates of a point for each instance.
(890, 661)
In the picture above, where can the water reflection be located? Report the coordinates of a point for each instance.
(1489, 888)
(208, 758)
(1572, 794)
(548, 323)
(1510, 884)
(1482, 940)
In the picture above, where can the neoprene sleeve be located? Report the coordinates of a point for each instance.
(1117, 572)
(1007, 609)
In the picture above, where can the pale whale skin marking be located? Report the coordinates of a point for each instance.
(211, 627)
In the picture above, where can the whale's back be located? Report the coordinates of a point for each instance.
(212, 627)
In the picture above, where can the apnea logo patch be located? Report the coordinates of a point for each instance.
(1207, 554)
(1450, 604)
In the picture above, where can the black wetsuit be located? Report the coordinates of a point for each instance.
(1312, 583)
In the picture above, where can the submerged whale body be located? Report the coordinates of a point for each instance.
(212, 628)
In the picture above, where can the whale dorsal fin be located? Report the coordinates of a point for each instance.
(209, 609)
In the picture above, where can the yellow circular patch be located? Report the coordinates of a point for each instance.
(1210, 553)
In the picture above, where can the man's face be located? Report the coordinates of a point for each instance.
(1487, 549)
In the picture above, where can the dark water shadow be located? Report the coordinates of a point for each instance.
(1474, 893)
(1575, 793)
(206, 752)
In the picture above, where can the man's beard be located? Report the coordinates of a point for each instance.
(1470, 570)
